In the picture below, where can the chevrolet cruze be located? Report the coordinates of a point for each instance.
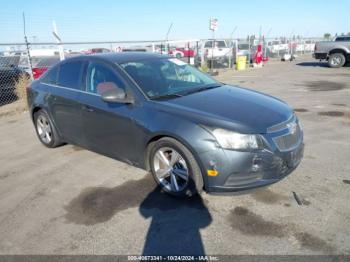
(158, 113)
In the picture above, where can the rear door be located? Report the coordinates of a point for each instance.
(63, 100)
(108, 127)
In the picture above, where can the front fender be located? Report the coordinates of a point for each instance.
(163, 124)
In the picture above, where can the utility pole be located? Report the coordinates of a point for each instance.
(167, 38)
(231, 39)
(167, 34)
(265, 45)
(213, 26)
(260, 29)
(27, 45)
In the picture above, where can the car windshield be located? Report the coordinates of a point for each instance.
(168, 77)
(219, 44)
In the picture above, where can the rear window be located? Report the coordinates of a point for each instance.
(51, 77)
(69, 74)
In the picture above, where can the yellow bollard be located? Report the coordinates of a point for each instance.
(241, 63)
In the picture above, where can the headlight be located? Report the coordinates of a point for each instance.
(232, 140)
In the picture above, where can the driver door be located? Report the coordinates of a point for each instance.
(108, 127)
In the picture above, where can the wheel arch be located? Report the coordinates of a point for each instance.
(161, 135)
(34, 110)
(338, 50)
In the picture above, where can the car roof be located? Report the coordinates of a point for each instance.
(124, 57)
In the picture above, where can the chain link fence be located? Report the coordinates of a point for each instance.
(18, 66)
(14, 72)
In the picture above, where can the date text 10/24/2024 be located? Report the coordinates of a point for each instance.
(172, 258)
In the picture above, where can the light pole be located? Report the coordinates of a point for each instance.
(167, 38)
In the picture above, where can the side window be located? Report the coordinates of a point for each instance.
(69, 74)
(342, 39)
(101, 78)
(51, 77)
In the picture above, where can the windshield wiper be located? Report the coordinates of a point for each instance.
(166, 96)
(197, 90)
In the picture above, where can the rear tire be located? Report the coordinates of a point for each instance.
(181, 177)
(336, 60)
(45, 130)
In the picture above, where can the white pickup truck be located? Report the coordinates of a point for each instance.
(217, 49)
(336, 52)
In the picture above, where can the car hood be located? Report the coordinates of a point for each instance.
(230, 107)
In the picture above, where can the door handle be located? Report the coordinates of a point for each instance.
(87, 108)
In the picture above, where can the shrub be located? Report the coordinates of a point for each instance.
(204, 68)
(21, 91)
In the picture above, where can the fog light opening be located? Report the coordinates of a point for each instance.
(256, 164)
(212, 172)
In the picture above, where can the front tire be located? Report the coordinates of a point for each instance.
(174, 168)
(336, 60)
(45, 130)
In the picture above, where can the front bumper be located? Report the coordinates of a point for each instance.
(242, 170)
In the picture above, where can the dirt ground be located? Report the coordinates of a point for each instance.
(72, 201)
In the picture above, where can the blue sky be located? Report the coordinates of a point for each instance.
(84, 20)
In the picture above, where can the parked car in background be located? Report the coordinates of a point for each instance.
(134, 49)
(161, 49)
(217, 49)
(336, 52)
(43, 52)
(43, 65)
(24, 62)
(10, 73)
(244, 49)
(158, 113)
(97, 51)
(180, 52)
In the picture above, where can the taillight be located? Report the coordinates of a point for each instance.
(38, 71)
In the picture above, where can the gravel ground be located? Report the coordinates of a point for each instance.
(72, 201)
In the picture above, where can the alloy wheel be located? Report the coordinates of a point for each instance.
(170, 169)
(336, 60)
(44, 129)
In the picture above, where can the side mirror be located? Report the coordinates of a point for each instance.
(112, 94)
(117, 95)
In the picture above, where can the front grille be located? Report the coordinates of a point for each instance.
(290, 140)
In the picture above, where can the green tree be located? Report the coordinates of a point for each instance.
(327, 36)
